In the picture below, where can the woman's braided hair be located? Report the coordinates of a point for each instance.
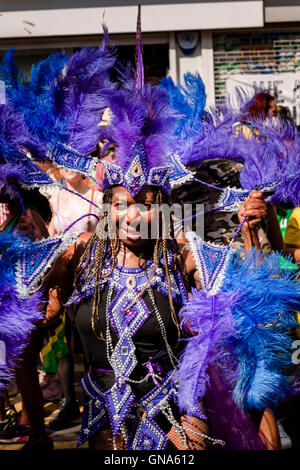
(104, 244)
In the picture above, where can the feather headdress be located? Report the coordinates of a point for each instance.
(142, 126)
(268, 149)
(17, 169)
(189, 100)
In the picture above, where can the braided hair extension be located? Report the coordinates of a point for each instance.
(94, 264)
(161, 244)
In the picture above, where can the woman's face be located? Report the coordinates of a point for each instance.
(132, 218)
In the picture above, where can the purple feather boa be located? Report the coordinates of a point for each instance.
(211, 328)
(17, 316)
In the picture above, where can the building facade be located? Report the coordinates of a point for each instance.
(225, 41)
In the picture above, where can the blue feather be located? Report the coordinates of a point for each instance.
(264, 319)
(189, 101)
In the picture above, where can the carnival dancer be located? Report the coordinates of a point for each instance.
(127, 292)
(26, 217)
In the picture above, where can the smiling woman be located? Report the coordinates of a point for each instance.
(164, 319)
(126, 284)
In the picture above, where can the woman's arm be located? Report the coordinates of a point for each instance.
(293, 250)
(254, 208)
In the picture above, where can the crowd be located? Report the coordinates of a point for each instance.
(186, 343)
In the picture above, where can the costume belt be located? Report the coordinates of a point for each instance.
(143, 433)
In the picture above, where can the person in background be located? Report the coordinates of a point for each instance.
(289, 411)
(67, 208)
(263, 107)
(33, 223)
(292, 236)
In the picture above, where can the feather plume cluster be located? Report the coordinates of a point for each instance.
(141, 115)
(188, 100)
(29, 103)
(251, 333)
(62, 101)
(18, 317)
(211, 321)
(77, 95)
(268, 149)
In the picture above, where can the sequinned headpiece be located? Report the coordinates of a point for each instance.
(16, 168)
(136, 172)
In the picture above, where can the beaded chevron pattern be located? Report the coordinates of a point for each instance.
(32, 176)
(231, 199)
(144, 434)
(119, 279)
(179, 174)
(138, 174)
(211, 261)
(119, 401)
(127, 282)
(36, 259)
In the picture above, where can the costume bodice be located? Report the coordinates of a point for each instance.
(138, 355)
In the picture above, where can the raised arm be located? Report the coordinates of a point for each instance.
(254, 208)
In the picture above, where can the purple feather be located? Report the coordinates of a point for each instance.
(17, 316)
(142, 114)
(211, 329)
(10, 175)
(17, 321)
(77, 95)
(288, 192)
(139, 65)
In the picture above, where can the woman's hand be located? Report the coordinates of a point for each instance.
(255, 209)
